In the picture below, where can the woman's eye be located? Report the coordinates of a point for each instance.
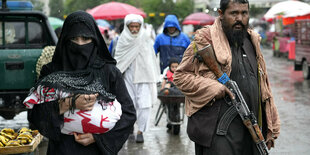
(86, 38)
(73, 39)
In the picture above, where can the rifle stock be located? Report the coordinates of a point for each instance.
(207, 54)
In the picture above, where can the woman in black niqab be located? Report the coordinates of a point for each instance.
(82, 69)
(66, 55)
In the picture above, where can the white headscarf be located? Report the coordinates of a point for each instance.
(136, 49)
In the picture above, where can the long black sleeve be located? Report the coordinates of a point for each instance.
(111, 142)
(45, 117)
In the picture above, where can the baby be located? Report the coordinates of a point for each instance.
(100, 119)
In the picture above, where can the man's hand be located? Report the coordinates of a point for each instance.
(269, 144)
(85, 139)
(86, 102)
(224, 91)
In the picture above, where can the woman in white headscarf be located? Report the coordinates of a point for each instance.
(135, 58)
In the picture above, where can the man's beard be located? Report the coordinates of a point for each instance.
(134, 33)
(235, 37)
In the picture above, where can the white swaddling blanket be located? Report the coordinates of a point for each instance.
(100, 119)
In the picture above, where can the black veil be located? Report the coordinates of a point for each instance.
(79, 23)
(65, 76)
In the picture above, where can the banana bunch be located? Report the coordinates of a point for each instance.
(3, 141)
(13, 143)
(25, 137)
(8, 137)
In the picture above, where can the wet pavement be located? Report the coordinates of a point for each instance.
(292, 97)
(291, 94)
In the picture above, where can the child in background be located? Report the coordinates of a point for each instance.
(168, 79)
(169, 89)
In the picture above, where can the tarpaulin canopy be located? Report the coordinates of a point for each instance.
(114, 10)
(290, 8)
(291, 20)
(198, 18)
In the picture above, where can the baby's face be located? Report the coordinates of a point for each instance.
(173, 67)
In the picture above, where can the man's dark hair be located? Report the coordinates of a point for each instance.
(58, 31)
(224, 3)
(120, 28)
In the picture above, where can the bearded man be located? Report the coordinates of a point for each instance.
(136, 60)
(237, 50)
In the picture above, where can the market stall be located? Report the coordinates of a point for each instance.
(284, 14)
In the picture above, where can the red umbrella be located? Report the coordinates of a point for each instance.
(114, 10)
(101, 29)
(198, 18)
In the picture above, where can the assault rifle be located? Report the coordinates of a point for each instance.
(206, 54)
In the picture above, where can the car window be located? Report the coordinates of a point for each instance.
(35, 33)
(15, 33)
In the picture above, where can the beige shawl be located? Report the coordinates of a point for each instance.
(199, 84)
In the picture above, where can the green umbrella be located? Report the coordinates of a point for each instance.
(55, 22)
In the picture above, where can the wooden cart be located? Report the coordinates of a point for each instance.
(173, 106)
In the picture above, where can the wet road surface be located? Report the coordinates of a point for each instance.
(291, 95)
